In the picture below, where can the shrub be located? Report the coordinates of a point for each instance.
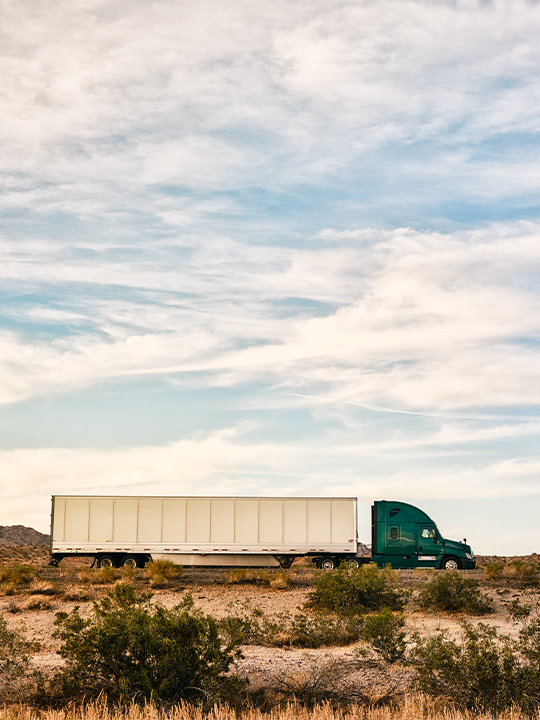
(161, 572)
(76, 594)
(15, 655)
(521, 569)
(481, 673)
(13, 607)
(279, 580)
(38, 603)
(517, 611)
(493, 570)
(529, 642)
(128, 573)
(384, 632)
(9, 588)
(42, 587)
(17, 574)
(282, 630)
(98, 576)
(450, 591)
(131, 651)
(356, 590)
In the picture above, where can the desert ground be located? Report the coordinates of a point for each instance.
(33, 608)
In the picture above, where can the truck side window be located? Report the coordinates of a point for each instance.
(394, 511)
(428, 532)
(394, 533)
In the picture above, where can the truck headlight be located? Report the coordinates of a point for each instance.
(468, 555)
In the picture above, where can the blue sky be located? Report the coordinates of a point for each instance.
(273, 248)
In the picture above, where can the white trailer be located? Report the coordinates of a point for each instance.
(204, 531)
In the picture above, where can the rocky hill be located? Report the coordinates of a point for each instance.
(13, 535)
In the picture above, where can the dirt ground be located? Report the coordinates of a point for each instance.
(217, 597)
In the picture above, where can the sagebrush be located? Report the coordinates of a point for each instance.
(452, 592)
(129, 650)
(484, 671)
(300, 630)
(353, 591)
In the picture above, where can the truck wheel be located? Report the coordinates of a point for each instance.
(129, 562)
(106, 561)
(327, 563)
(352, 563)
(451, 563)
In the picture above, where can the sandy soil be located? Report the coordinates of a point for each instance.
(214, 596)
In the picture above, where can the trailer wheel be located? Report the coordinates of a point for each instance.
(106, 561)
(129, 562)
(327, 563)
(451, 563)
(352, 562)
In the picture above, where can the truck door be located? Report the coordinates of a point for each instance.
(429, 545)
(401, 544)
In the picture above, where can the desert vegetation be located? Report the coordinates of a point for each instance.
(357, 642)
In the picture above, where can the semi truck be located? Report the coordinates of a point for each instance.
(246, 532)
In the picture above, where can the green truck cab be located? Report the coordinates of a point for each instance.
(405, 537)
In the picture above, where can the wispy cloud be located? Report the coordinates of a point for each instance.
(104, 105)
(326, 213)
(417, 320)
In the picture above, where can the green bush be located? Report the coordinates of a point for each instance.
(131, 651)
(450, 591)
(517, 611)
(300, 630)
(483, 673)
(353, 591)
(385, 633)
(493, 570)
(15, 656)
(529, 642)
(521, 569)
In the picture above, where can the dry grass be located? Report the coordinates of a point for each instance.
(76, 594)
(38, 602)
(411, 708)
(13, 607)
(129, 574)
(16, 575)
(279, 580)
(9, 588)
(162, 572)
(98, 576)
(42, 587)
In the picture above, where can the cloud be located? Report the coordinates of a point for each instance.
(107, 106)
(414, 320)
(231, 462)
(311, 206)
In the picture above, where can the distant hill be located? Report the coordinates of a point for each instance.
(12, 535)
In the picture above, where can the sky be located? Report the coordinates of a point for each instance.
(286, 247)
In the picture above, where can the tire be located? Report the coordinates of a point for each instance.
(352, 563)
(451, 563)
(106, 561)
(130, 561)
(327, 563)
